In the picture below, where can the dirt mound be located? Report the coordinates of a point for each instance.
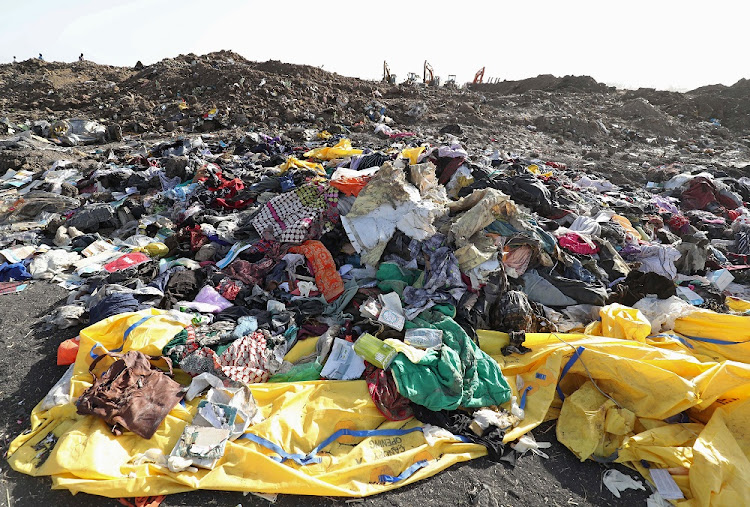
(546, 82)
(641, 114)
(727, 104)
(573, 118)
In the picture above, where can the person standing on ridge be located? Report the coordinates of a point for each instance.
(80, 58)
(14, 59)
(40, 57)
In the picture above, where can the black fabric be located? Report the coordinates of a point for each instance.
(638, 284)
(611, 261)
(182, 286)
(474, 309)
(516, 344)
(372, 160)
(583, 292)
(82, 242)
(145, 272)
(527, 190)
(458, 423)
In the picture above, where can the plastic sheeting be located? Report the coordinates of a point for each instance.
(662, 403)
(298, 417)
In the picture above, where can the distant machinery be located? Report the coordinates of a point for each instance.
(479, 76)
(387, 76)
(428, 75)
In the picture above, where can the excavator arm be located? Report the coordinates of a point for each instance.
(479, 76)
(386, 73)
(429, 75)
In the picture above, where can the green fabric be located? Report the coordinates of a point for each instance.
(396, 286)
(458, 375)
(446, 309)
(299, 373)
(392, 271)
(393, 278)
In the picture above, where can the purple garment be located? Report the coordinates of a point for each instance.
(665, 204)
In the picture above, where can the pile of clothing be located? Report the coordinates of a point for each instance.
(325, 261)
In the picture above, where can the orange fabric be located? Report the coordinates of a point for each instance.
(350, 186)
(625, 223)
(67, 352)
(327, 277)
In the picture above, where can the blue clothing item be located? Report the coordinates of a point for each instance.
(114, 304)
(502, 228)
(287, 183)
(13, 272)
(161, 281)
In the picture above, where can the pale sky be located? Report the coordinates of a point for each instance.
(658, 43)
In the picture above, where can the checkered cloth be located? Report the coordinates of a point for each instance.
(305, 212)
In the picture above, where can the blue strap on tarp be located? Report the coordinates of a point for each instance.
(522, 404)
(716, 341)
(283, 456)
(124, 338)
(362, 434)
(575, 357)
(405, 474)
(311, 458)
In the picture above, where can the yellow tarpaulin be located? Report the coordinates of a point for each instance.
(295, 163)
(706, 401)
(656, 402)
(412, 154)
(89, 458)
(342, 149)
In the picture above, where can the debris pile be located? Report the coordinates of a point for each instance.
(468, 292)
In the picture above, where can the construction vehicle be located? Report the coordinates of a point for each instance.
(412, 78)
(387, 76)
(428, 75)
(479, 76)
(451, 81)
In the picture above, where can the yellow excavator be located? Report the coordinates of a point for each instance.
(387, 76)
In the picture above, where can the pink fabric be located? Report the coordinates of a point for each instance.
(577, 243)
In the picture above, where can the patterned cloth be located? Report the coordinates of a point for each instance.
(742, 240)
(306, 212)
(229, 289)
(201, 350)
(246, 360)
(442, 281)
(327, 277)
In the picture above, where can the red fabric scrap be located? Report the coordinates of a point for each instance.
(576, 243)
(144, 501)
(197, 238)
(126, 261)
(677, 222)
(699, 194)
(351, 186)
(386, 397)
